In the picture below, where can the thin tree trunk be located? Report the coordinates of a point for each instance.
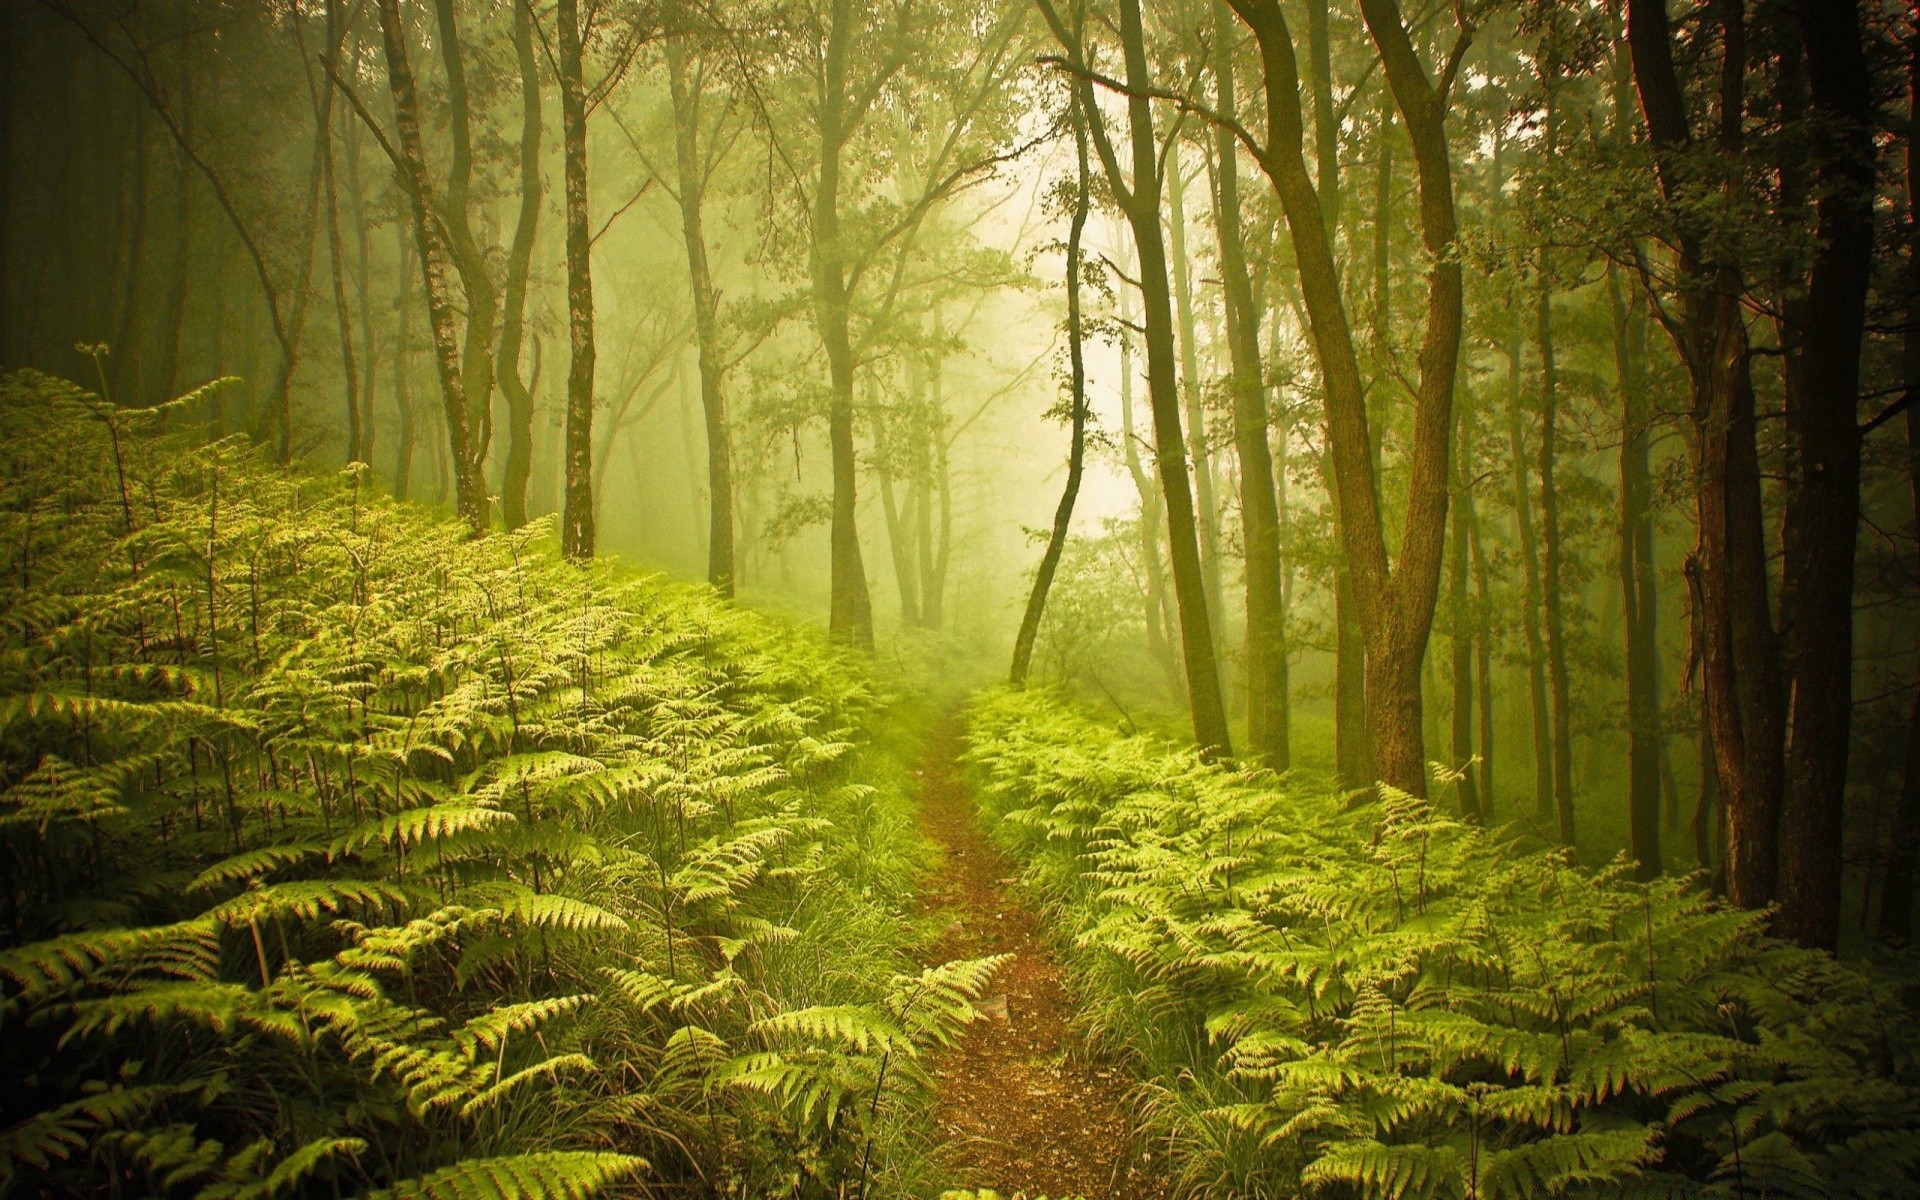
(1637, 586)
(899, 540)
(402, 349)
(336, 255)
(1727, 574)
(1206, 509)
(693, 182)
(1396, 601)
(1550, 560)
(1530, 589)
(468, 258)
(850, 608)
(1483, 664)
(1141, 203)
(1077, 445)
(1268, 732)
(519, 395)
(470, 487)
(576, 521)
(363, 245)
(1460, 625)
(1152, 566)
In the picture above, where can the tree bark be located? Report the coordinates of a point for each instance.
(470, 488)
(402, 348)
(1483, 665)
(576, 521)
(1206, 507)
(336, 250)
(518, 392)
(1726, 576)
(1823, 499)
(1268, 724)
(1140, 200)
(1460, 626)
(1152, 566)
(1552, 600)
(1077, 445)
(1396, 604)
(469, 258)
(1637, 585)
(706, 301)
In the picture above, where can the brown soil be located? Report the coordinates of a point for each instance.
(1024, 1107)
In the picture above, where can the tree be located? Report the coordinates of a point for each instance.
(1077, 414)
(470, 488)
(1396, 601)
(694, 173)
(577, 518)
(513, 310)
(1268, 726)
(1139, 199)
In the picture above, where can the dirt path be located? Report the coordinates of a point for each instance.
(1020, 1103)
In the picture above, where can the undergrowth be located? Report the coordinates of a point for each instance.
(341, 854)
(1351, 997)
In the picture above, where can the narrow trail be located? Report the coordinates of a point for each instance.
(1023, 1107)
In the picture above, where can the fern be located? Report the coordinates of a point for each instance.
(552, 1175)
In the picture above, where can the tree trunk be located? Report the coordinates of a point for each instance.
(1077, 445)
(1727, 574)
(469, 486)
(518, 393)
(1460, 626)
(1550, 558)
(693, 183)
(1637, 586)
(336, 251)
(1141, 202)
(469, 259)
(850, 606)
(363, 253)
(1530, 591)
(576, 521)
(402, 349)
(899, 536)
(1152, 567)
(1268, 733)
(1206, 508)
(1823, 499)
(1483, 665)
(1396, 603)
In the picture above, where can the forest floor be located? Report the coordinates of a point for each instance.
(1024, 1106)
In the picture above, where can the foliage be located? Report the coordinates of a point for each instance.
(344, 853)
(1369, 998)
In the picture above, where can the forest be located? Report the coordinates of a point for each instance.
(959, 599)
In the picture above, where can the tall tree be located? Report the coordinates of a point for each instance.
(470, 489)
(1822, 516)
(1077, 414)
(1396, 601)
(694, 171)
(1552, 551)
(1268, 724)
(577, 519)
(1139, 199)
(1727, 574)
(513, 309)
